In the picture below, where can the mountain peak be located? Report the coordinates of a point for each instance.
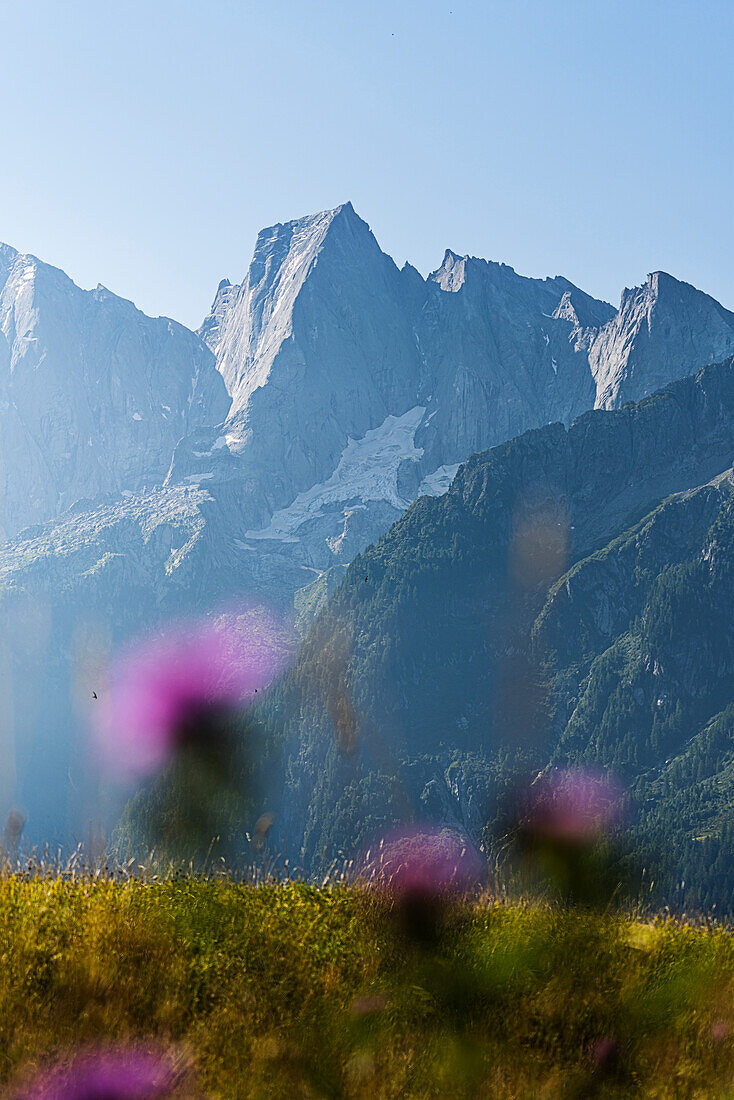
(295, 244)
(451, 275)
(347, 210)
(345, 217)
(655, 278)
(661, 288)
(631, 355)
(660, 283)
(7, 253)
(581, 309)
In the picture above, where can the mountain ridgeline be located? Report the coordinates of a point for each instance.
(570, 599)
(149, 472)
(357, 386)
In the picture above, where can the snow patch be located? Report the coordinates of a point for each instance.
(235, 442)
(137, 416)
(367, 471)
(196, 479)
(437, 483)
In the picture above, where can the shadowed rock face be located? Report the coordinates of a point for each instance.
(661, 329)
(94, 395)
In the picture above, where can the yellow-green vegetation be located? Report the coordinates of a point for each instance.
(289, 991)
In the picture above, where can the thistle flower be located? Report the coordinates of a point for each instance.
(604, 1055)
(122, 1074)
(162, 691)
(576, 807)
(564, 828)
(720, 1031)
(421, 872)
(427, 861)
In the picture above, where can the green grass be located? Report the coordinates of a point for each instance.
(292, 991)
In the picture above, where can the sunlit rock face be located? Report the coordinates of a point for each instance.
(94, 395)
(662, 330)
(345, 385)
(326, 341)
(317, 349)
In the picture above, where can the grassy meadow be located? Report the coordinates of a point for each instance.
(294, 991)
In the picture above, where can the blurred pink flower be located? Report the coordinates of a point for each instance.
(427, 862)
(720, 1031)
(166, 680)
(604, 1054)
(422, 873)
(124, 1074)
(573, 806)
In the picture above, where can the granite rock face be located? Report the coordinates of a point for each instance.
(352, 386)
(660, 331)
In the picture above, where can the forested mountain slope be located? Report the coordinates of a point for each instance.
(569, 599)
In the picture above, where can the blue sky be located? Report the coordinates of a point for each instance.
(145, 142)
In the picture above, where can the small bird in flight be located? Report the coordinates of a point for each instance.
(366, 579)
(94, 694)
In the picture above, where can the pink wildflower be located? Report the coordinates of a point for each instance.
(573, 807)
(427, 862)
(125, 1074)
(421, 874)
(158, 688)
